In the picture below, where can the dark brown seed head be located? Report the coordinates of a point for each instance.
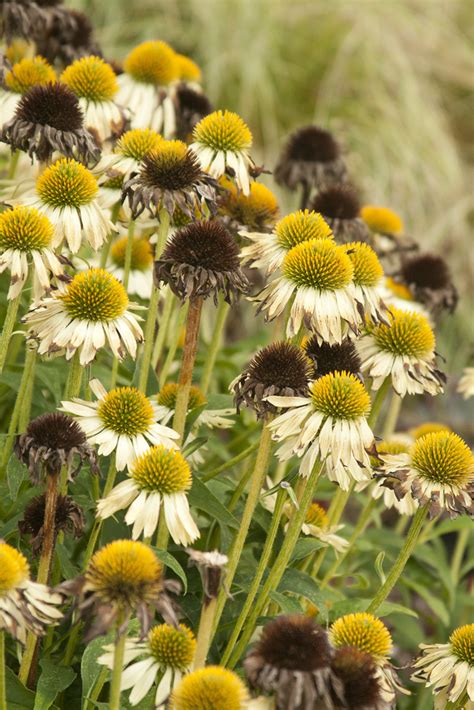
(51, 105)
(357, 671)
(332, 358)
(427, 271)
(69, 518)
(312, 144)
(191, 107)
(337, 202)
(55, 430)
(170, 171)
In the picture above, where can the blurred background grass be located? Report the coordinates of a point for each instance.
(392, 78)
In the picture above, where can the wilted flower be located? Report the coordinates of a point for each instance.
(69, 518)
(211, 687)
(428, 279)
(191, 107)
(211, 567)
(392, 447)
(340, 207)
(325, 358)
(358, 673)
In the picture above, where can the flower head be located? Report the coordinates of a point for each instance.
(341, 357)
(403, 348)
(140, 278)
(24, 605)
(328, 424)
(340, 207)
(221, 142)
(211, 687)
(166, 400)
(152, 62)
(69, 518)
(428, 279)
(199, 260)
(52, 441)
(364, 632)
(191, 107)
(188, 69)
(129, 151)
(381, 220)
(29, 72)
(317, 524)
(257, 210)
(93, 309)
(211, 567)
(367, 279)
(358, 672)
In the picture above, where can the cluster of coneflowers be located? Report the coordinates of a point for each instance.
(132, 220)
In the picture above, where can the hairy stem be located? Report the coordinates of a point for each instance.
(8, 325)
(187, 365)
(214, 345)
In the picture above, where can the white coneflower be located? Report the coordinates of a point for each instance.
(158, 483)
(149, 71)
(66, 192)
(165, 656)
(404, 350)
(24, 605)
(95, 84)
(268, 250)
(392, 447)
(448, 668)
(258, 210)
(466, 383)
(123, 420)
(438, 471)
(319, 275)
(329, 424)
(367, 281)
(222, 140)
(92, 310)
(129, 151)
(25, 240)
(211, 687)
(25, 74)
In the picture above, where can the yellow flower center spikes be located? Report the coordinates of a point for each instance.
(163, 470)
(142, 254)
(172, 647)
(318, 264)
(340, 395)
(399, 289)
(25, 229)
(301, 226)
(153, 62)
(381, 219)
(95, 295)
(367, 268)
(28, 73)
(14, 568)
(365, 632)
(91, 78)
(210, 688)
(409, 333)
(67, 183)
(317, 516)
(443, 457)
(258, 208)
(138, 143)
(188, 69)
(392, 447)
(125, 572)
(126, 410)
(223, 130)
(167, 396)
(462, 643)
(428, 428)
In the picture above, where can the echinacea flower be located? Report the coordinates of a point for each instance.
(268, 250)
(466, 383)
(28, 72)
(149, 70)
(140, 277)
(211, 687)
(189, 71)
(123, 578)
(292, 660)
(428, 279)
(129, 151)
(92, 310)
(367, 280)
(191, 107)
(448, 668)
(381, 220)
(48, 119)
(94, 82)
(166, 654)
(438, 471)
(403, 349)
(68, 518)
(329, 424)
(51, 441)
(24, 605)
(362, 687)
(325, 358)
(221, 142)
(318, 273)
(170, 177)
(158, 482)
(340, 207)
(26, 238)
(278, 369)
(200, 260)
(405, 505)
(257, 210)
(66, 192)
(70, 36)
(427, 428)
(316, 524)
(310, 157)
(123, 420)
(20, 18)
(368, 634)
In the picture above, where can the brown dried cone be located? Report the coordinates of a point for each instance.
(48, 119)
(21, 19)
(211, 566)
(69, 518)
(429, 280)
(311, 157)
(358, 673)
(68, 36)
(280, 369)
(52, 441)
(340, 207)
(171, 178)
(200, 260)
(292, 660)
(191, 107)
(327, 358)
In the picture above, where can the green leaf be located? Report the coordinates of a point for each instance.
(64, 556)
(305, 547)
(16, 474)
(53, 680)
(171, 562)
(201, 497)
(288, 605)
(18, 697)
(90, 669)
(433, 602)
(303, 585)
(194, 445)
(389, 608)
(379, 566)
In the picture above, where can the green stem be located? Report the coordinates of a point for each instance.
(214, 345)
(49, 528)
(204, 637)
(21, 404)
(173, 345)
(458, 554)
(114, 701)
(256, 484)
(149, 337)
(90, 702)
(459, 704)
(106, 247)
(128, 254)
(169, 300)
(262, 566)
(392, 415)
(163, 230)
(27, 658)
(378, 401)
(281, 563)
(399, 565)
(114, 372)
(8, 325)
(186, 373)
(3, 687)
(231, 462)
(13, 164)
(73, 384)
(162, 536)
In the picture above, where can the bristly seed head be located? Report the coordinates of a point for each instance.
(319, 264)
(95, 295)
(408, 333)
(14, 568)
(222, 131)
(327, 358)
(28, 73)
(257, 210)
(381, 219)
(55, 431)
(210, 688)
(364, 631)
(170, 166)
(69, 518)
(301, 226)
(337, 202)
(126, 410)
(137, 143)
(152, 62)
(426, 271)
(172, 648)
(162, 470)
(25, 229)
(67, 183)
(443, 457)
(317, 516)
(462, 643)
(52, 105)
(312, 144)
(91, 78)
(358, 673)
(166, 397)
(142, 253)
(340, 395)
(368, 270)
